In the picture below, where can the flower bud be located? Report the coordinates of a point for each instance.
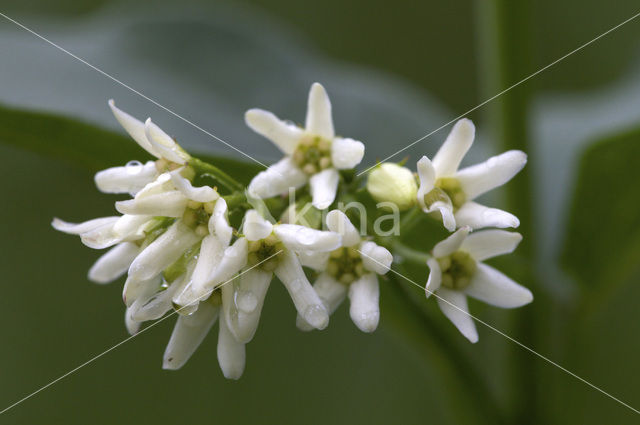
(391, 182)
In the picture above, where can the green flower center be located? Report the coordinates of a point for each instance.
(197, 215)
(446, 189)
(313, 154)
(264, 252)
(457, 270)
(345, 265)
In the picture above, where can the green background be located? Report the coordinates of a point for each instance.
(395, 72)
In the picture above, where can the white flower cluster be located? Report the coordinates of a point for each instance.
(180, 250)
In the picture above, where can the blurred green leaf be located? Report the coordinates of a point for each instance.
(88, 146)
(603, 236)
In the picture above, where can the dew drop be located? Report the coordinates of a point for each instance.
(133, 167)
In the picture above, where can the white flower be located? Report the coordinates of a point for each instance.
(134, 176)
(391, 182)
(264, 250)
(450, 191)
(313, 153)
(457, 271)
(351, 268)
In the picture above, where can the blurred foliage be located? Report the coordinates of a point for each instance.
(603, 239)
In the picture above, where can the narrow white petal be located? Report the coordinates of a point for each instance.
(255, 227)
(137, 288)
(338, 222)
(494, 172)
(163, 251)
(493, 287)
(114, 263)
(162, 183)
(448, 158)
(154, 306)
(454, 305)
(364, 295)
(164, 144)
(198, 194)
(331, 292)
(490, 243)
(319, 119)
(307, 302)
(87, 226)
(324, 186)
(284, 135)
(184, 296)
(312, 259)
(131, 178)
(132, 227)
(277, 179)
(231, 353)
(166, 204)
(300, 238)
(375, 258)
(451, 244)
(233, 260)
(211, 252)
(132, 326)
(478, 216)
(134, 127)
(188, 334)
(435, 277)
(446, 212)
(242, 301)
(346, 153)
(427, 176)
(219, 224)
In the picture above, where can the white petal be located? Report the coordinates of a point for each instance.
(493, 287)
(375, 258)
(427, 176)
(364, 295)
(134, 127)
(219, 224)
(307, 302)
(84, 227)
(490, 243)
(494, 172)
(198, 194)
(331, 292)
(166, 204)
(447, 160)
(188, 334)
(277, 179)
(132, 326)
(114, 263)
(163, 251)
(435, 277)
(319, 119)
(231, 353)
(184, 297)
(128, 179)
(284, 135)
(136, 288)
(324, 186)
(346, 153)
(164, 144)
(451, 244)
(478, 216)
(211, 252)
(242, 301)
(162, 183)
(300, 238)
(154, 306)
(312, 259)
(338, 222)
(132, 227)
(446, 212)
(454, 305)
(255, 227)
(233, 260)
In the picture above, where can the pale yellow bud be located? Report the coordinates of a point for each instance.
(391, 182)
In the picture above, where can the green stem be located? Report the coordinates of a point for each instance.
(409, 254)
(202, 167)
(507, 37)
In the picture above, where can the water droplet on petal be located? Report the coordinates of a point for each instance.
(134, 167)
